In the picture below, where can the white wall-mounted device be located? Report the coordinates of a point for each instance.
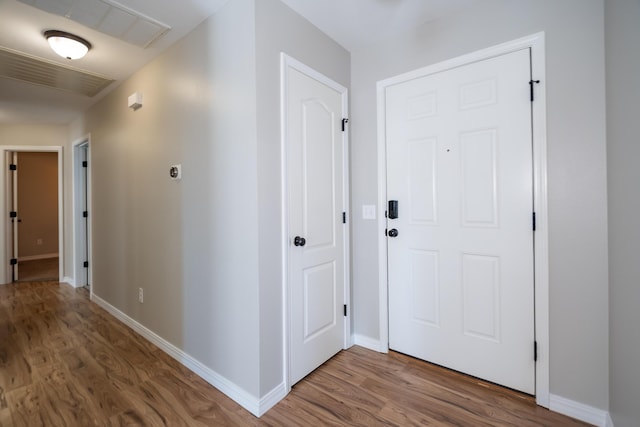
(135, 100)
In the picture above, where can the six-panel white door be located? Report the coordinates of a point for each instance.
(459, 163)
(314, 110)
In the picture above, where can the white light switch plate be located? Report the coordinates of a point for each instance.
(368, 211)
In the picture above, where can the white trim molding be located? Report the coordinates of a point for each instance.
(370, 343)
(536, 44)
(580, 411)
(69, 281)
(245, 399)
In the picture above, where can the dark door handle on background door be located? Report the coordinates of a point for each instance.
(299, 241)
(393, 233)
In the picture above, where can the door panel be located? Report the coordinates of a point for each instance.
(315, 183)
(12, 185)
(460, 270)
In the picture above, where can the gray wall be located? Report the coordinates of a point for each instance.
(623, 128)
(205, 249)
(279, 29)
(576, 168)
(191, 244)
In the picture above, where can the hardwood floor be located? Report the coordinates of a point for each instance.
(38, 270)
(66, 362)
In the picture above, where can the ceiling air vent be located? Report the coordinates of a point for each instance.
(30, 69)
(107, 16)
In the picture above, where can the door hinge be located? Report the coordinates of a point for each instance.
(344, 123)
(84, 163)
(13, 261)
(85, 214)
(86, 264)
(13, 214)
(345, 310)
(531, 83)
(13, 167)
(386, 231)
(344, 217)
(533, 220)
(535, 351)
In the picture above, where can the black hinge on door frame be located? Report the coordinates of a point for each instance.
(13, 214)
(535, 351)
(533, 221)
(85, 214)
(531, 83)
(13, 261)
(13, 167)
(86, 264)
(344, 217)
(84, 163)
(344, 123)
(345, 310)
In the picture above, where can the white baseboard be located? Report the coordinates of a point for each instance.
(35, 257)
(252, 404)
(271, 399)
(69, 281)
(370, 343)
(580, 411)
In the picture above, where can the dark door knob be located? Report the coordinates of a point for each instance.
(299, 241)
(393, 233)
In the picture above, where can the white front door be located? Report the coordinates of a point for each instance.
(459, 164)
(315, 146)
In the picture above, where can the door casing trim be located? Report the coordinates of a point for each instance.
(536, 44)
(287, 61)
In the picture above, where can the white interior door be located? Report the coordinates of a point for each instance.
(15, 219)
(313, 112)
(460, 268)
(81, 212)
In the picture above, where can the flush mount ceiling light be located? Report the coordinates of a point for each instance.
(67, 45)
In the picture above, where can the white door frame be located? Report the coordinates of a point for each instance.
(285, 62)
(536, 43)
(77, 219)
(5, 270)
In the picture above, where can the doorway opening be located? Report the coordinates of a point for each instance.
(32, 237)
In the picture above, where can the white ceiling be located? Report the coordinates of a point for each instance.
(358, 23)
(352, 23)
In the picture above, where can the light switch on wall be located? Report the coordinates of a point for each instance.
(368, 211)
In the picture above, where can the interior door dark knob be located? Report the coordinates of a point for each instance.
(299, 241)
(393, 233)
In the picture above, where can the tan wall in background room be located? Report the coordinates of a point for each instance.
(37, 204)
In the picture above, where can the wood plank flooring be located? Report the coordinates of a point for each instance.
(38, 270)
(66, 362)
